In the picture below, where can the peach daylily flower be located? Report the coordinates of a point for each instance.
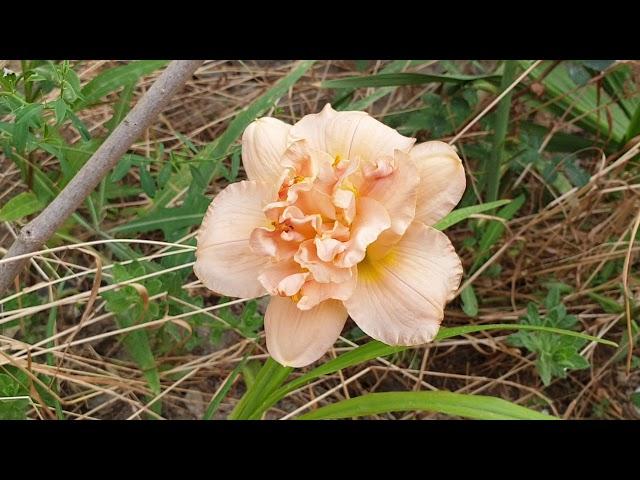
(335, 221)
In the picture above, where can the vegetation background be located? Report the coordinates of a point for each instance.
(117, 327)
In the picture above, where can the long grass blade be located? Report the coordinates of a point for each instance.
(398, 79)
(499, 133)
(477, 407)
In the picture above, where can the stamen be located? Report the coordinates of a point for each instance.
(282, 193)
(282, 227)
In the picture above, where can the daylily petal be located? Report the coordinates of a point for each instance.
(308, 224)
(371, 220)
(349, 134)
(442, 180)
(263, 145)
(374, 139)
(398, 193)
(283, 278)
(292, 284)
(337, 231)
(297, 338)
(323, 272)
(328, 248)
(314, 201)
(224, 261)
(306, 162)
(400, 298)
(343, 198)
(315, 292)
(265, 241)
(346, 200)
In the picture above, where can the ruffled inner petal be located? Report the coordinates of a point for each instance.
(345, 189)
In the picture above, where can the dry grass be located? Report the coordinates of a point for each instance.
(568, 240)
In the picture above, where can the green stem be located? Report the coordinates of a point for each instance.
(634, 125)
(28, 96)
(24, 65)
(51, 327)
(500, 133)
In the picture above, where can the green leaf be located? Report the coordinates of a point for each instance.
(43, 187)
(122, 106)
(249, 372)
(268, 379)
(147, 182)
(575, 361)
(235, 167)
(578, 73)
(598, 65)
(375, 349)
(80, 126)
(249, 322)
(28, 117)
(634, 125)
(164, 175)
(188, 143)
(167, 219)
(20, 206)
(562, 287)
(560, 141)
(72, 158)
(60, 110)
(397, 79)
(461, 214)
(213, 406)
(51, 331)
(469, 301)
(494, 230)
(608, 305)
(466, 329)
(122, 168)
(114, 78)
(553, 298)
(138, 346)
(72, 89)
(440, 116)
(491, 178)
(543, 364)
(621, 84)
(470, 406)
(576, 174)
(393, 67)
(555, 354)
(435, 118)
(13, 408)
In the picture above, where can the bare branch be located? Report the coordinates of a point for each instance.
(40, 229)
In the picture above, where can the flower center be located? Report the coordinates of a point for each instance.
(313, 240)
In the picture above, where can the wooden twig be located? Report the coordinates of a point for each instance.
(40, 229)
